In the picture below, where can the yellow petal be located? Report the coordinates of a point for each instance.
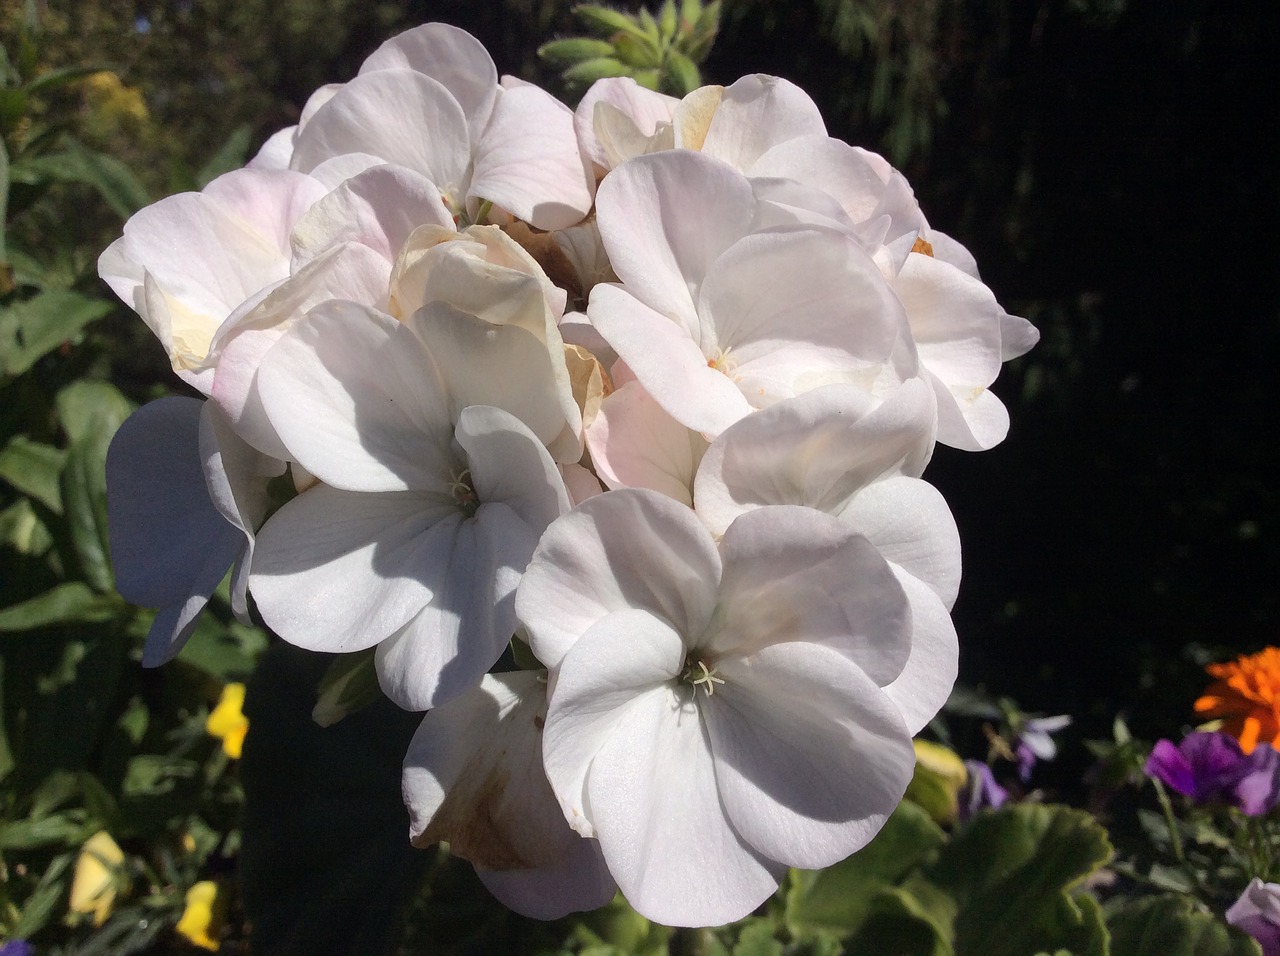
(228, 721)
(203, 915)
(93, 887)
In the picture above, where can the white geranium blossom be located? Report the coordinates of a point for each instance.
(425, 516)
(717, 715)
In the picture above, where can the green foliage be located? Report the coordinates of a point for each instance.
(1171, 925)
(661, 53)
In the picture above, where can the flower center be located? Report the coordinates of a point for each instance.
(723, 362)
(463, 492)
(699, 674)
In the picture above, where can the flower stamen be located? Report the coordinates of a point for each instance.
(698, 674)
(463, 492)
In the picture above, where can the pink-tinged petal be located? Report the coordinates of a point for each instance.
(910, 524)
(377, 208)
(660, 821)
(614, 552)
(755, 114)
(955, 321)
(669, 363)
(810, 756)
(785, 202)
(1017, 337)
(203, 254)
(528, 162)
(347, 271)
(664, 219)
(236, 475)
(792, 309)
(170, 546)
(818, 450)
(402, 117)
(969, 418)
(793, 574)
(340, 571)
(358, 401)
(452, 57)
(625, 657)
(508, 464)
(635, 444)
(473, 777)
(929, 675)
(580, 483)
(470, 617)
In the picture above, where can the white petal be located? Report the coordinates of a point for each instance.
(646, 109)
(909, 523)
(819, 450)
(756, 113)
(528, 161)
(618, 551)
(795, 574)
(930, 672)
(377, 208)
(170, 546)
(664, 219)
(971, 419)
(449, 55)
(635, 444)
(1017, 337)
(661, 825)
(670, 363)
(400, 116)
(340, 571)
(508, 464)
(358, 401)
(810, 756)
(955, 321)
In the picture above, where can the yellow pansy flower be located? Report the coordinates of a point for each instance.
(228, 721)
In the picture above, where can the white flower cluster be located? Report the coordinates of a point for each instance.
(446, 313)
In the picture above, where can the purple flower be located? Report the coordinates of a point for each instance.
(1257, 913)
(17, 947)
(1034, 742)
(980, 791)
(1211, 766)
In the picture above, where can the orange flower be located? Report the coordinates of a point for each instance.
(1247, 697)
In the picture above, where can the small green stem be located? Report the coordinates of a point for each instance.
(1166, 808)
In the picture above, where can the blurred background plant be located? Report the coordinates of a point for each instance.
(1099, 157)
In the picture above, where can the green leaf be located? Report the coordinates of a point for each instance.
(597, 68)
(30, 330)
(1172, 925)
(569, 51)
(22, 529)
(84, 494)
(350, 684)
(607, 21)
(897, 923)
(757, 939)
(838, 898)
(637, 53)
(33, 468)
(1010, 872)
(70, 603)
(61, 77)
(668, 21)
(44, 900)
(87, 405)
(683, 73)
(67, 829)
(231, 155)
(6, 752)
(225, 651)
(112, 179)
(4, 200)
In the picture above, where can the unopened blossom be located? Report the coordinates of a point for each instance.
(1246, 696)
(717, 714)
(425, 515)
(1257, 912)
(473, 777)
